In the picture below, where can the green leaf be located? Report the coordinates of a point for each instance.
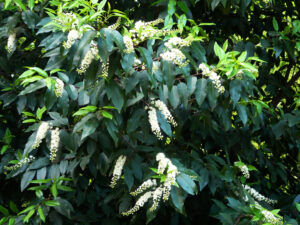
(147, 57)
(29, 121)
(186, 183)
(275, 24)
(107, 114)
(11, 221)
(41, 214)
(177, 197)
(29, 215)
(219, 51)
(242, 111)
(201, 91)
(114, 93)
(33, 87)
(52, 203)
(40, 71)
(212, 94)
(174, 97)
(39, 163)
(31, 4)
(27, 177)
(191, 85)
(20, 4)
(7, 3)
(13, 207)
(64, 188)
(40, 112)
(85, 110)
(4, 211)
(53, 190)
(89, 127)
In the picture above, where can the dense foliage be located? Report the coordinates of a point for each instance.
(149, 112)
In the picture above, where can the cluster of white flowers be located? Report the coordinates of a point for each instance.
(154, 123)
(144, 186)
(245, 171)
(157, 194)
(59, 87)
(256, 195)
(88, 58)
(177, 42)
(270, 217)
(118, 170)
(140, 203)
(128, 44)
(73, 35)
(166, 166)
(216, 79)
(105, 67)
(145, 30)
(165, 111)
(175, 56)
(172, 172)
(54, 144)
(11, 42)
(157, 104)
(137, 62)
(22, 162)
(41, 134)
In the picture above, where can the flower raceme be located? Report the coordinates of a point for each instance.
(54, 145)
(256, 195)
(152, 116)
(118, 170)
(88, 58)
(21, 163)
(59, 87)
(165, 165)
(216, 79)
(11, 42)
(73, 35)
(41, 134)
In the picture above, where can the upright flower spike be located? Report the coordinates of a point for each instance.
(245, 171)
(54, 145)
(128, 44)
(154, 123)
(59, 87)
(11, 42)
(118, 170)
(270, 218)
(41, 134)
(139, 204)
(88, 58)
(73, 35)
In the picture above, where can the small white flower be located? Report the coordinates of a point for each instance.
(118, 170)
(72, 37)
(59, 87)
(154, 123)
(175, 56)
(54, 145)
(11, 42)
(88, 58)
(41, 134)
(139, 24)
(128, 44)
(144, 186)
(140, 203)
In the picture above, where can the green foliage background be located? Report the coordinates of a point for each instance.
(254, 123)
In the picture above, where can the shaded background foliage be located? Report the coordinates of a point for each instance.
(256, 121)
